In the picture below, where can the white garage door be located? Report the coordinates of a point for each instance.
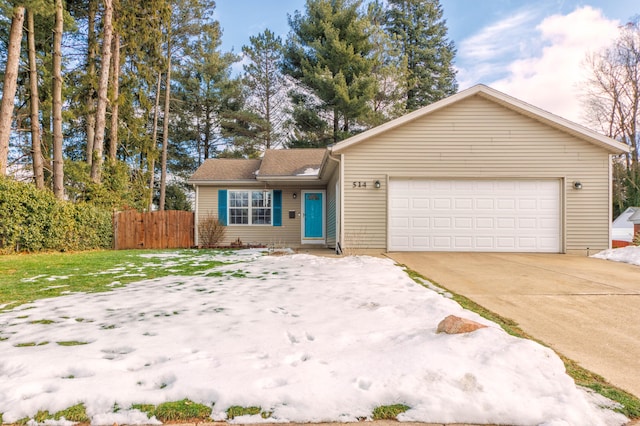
(474, 215)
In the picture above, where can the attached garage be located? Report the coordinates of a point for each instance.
(477, 171)
(506, 215)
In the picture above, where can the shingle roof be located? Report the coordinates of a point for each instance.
(292, 162)
(227, 169)
(275, 163)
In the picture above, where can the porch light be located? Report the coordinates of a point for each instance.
(377, 184)
(577, 185)
(295, 195)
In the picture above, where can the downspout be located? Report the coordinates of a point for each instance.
(340, 228)
(341, 200)
(610, 209)
(195, 218)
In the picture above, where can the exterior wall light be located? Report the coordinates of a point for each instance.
(577, 185)
(295, 195)
(377, 184)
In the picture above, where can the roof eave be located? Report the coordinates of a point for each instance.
(296, 178)
(221, 182)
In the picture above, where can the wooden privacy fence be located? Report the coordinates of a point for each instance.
(153, 230)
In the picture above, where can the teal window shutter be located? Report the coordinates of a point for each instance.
(222, 206)
(277, 207)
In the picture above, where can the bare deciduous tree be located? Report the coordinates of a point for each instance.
(613, 105)
(613, 90)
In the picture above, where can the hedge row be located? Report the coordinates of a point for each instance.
(34, 220)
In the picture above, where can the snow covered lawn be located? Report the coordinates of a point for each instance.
(629, 254)
(305, 338)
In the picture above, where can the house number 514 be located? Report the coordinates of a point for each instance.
(359, 184)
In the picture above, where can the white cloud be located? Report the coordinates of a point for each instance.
(550, 77)
(496, 39)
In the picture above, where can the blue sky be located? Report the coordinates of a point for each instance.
(533, 50)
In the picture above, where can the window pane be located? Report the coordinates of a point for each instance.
(239, 199)
(239, 216)
(261, 217)
(261, 199)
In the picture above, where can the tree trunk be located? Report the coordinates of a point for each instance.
(58, 162)
(154, 138)
(91, 74)
(101, 109)
(9, 88)
(34, 104)
(115, 84)
(165, 135)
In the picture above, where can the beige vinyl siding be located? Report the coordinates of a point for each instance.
(287, 235)
(478, 139)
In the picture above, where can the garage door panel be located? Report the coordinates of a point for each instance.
(421, 241)
(420, 223)
(442, 223)
(463, 204)
(527, 223)
(463, 222)
(441, 243)
(484, 204)
(420, 203)
(467, 215)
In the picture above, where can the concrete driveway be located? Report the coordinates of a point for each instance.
(587, 309)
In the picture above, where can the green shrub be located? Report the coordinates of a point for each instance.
(34, 220)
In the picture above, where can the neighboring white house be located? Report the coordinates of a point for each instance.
(622, 227)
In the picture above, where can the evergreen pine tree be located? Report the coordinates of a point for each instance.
(266, 86)
(421, 33)
(328, 52)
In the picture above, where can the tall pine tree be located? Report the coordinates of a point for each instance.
(421, 33)
(328, 52)
(266, 86)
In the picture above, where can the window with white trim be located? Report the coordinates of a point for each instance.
(250, 207)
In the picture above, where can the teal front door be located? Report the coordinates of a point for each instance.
(313, 209)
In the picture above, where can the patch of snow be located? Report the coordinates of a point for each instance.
(125, 417)
(629, 254)
(51, 422)
(53, 287)
(309, 339)
(309, 171)
(57, 277)
(33, 279)
(161, 255)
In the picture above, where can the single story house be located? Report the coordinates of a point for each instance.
(477, 171)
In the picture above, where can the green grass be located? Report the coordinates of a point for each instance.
(77, 413)
(389, 412)
(582, 377)
(42, 321)
(25, 278)
(71, 343)
(30, 344)
(182, 411)
(236, 411)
